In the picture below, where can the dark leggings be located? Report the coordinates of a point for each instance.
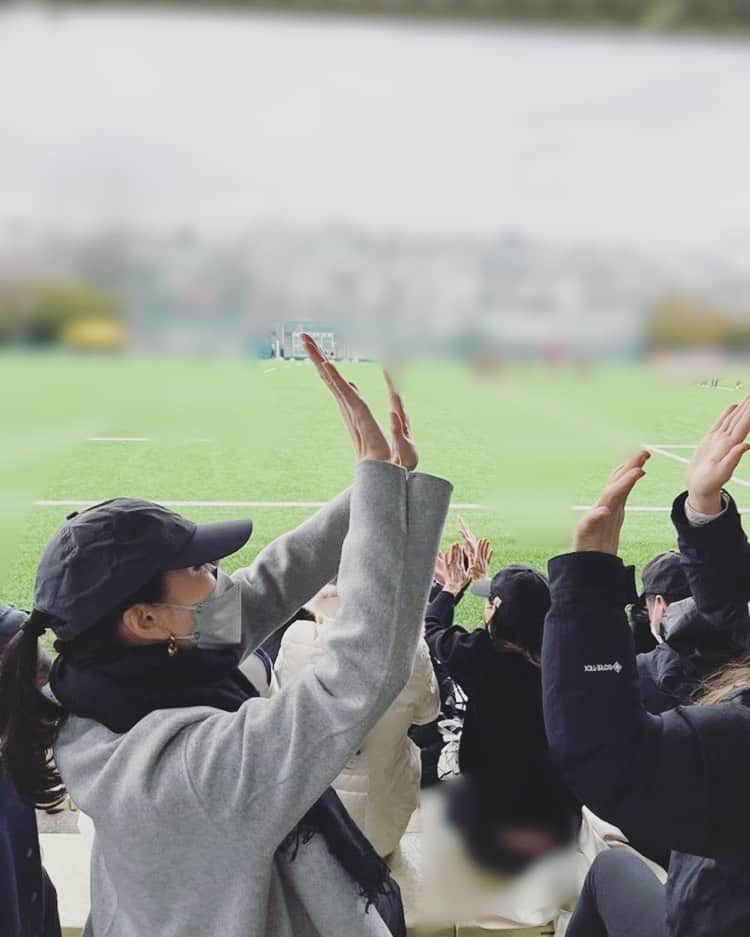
(621, 897)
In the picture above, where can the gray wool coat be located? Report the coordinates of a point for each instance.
(190, 805)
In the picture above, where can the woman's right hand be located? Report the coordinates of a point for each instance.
(368, 438)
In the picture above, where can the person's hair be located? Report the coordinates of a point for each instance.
(30, 720)
(526, 641)
(734, 675)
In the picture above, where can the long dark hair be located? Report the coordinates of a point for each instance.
(29, 719)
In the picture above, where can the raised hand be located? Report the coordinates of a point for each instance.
(441, 571)
(367, 436)
(403, 450)
(715, 460)
(456, 577)
(599, 530)
(469, 540)
(479, 562)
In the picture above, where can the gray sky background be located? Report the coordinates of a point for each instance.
(225, 122)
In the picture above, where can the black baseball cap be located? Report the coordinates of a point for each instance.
(12, 619)
(103, 555)
(521, 596)
(665, 575)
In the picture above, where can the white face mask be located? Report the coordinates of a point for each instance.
(218, 619)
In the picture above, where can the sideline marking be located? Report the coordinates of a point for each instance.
(229, 504)
(659, 450)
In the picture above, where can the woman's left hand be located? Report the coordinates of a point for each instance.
(403, 450)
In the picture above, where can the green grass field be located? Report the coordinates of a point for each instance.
(526, 445)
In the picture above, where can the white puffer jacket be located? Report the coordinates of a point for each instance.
(380, 784)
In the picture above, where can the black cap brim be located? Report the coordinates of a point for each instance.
(212, 542)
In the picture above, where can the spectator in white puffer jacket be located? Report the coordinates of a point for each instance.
(380, 784)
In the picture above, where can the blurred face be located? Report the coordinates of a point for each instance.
(489, 611)
(656, 606)
(156, 623)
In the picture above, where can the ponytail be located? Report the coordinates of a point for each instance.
(29, 721)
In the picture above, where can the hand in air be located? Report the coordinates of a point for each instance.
(599, 529)
(368, 437)
(456, 576)
(715, 460)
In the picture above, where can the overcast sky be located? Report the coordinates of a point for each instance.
(223, 122)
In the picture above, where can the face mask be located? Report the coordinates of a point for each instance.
(217, 620)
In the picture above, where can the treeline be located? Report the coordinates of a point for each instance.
(47, 313)
(659, 15)
(686, 322)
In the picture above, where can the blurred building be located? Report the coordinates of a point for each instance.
(366, 295)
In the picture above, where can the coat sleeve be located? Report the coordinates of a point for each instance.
(646, 774)
(263, 767)
(290, 570)
(454, 646)
(716, 559)
(426, 700)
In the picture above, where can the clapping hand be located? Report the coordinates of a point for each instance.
(717, 457)
(599, 529)
(456, 576)
(368, 437)
(478, 552)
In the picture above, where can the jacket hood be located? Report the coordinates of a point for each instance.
(687, 631)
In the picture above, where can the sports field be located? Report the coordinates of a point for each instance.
(222, 439)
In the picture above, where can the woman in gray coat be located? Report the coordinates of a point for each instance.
(211, 805)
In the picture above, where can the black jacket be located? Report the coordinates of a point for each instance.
(503, 743)
(674, 671)
(716, 559)
(713, 626)
(680, 779)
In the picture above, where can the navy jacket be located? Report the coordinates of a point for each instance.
(680, 780)
(28, 902)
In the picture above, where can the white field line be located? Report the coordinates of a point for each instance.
(229, 504)
(268, 370)
(678, 458)
(119, 439)
(633, 509)
(139, 439)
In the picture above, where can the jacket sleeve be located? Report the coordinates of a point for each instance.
(454, 646)
(426, 699)
(264, 766)
(646, 774)
(290, 570)
(716, 559)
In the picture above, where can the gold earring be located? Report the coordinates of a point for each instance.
(172, 646)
